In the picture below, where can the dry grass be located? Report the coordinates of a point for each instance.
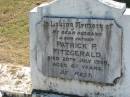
(14, 45)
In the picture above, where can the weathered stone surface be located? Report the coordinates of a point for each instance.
(15, 79)
(80, 49)
(119, 58)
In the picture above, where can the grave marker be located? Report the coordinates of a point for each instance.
(79, 47)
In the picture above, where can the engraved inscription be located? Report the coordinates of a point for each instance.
(82, 49)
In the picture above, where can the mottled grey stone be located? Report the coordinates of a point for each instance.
(80, 49)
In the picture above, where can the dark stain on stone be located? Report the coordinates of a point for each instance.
(45, 92)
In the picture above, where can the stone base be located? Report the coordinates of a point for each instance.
(39, 93)
(13, 94)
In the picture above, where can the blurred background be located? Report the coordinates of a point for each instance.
(14, 30)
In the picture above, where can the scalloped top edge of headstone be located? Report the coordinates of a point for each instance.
(118, 6)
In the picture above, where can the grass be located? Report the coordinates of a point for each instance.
(14, 39)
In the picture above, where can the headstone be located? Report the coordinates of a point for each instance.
(80, 47)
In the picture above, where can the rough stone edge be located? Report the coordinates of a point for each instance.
(11, 94)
